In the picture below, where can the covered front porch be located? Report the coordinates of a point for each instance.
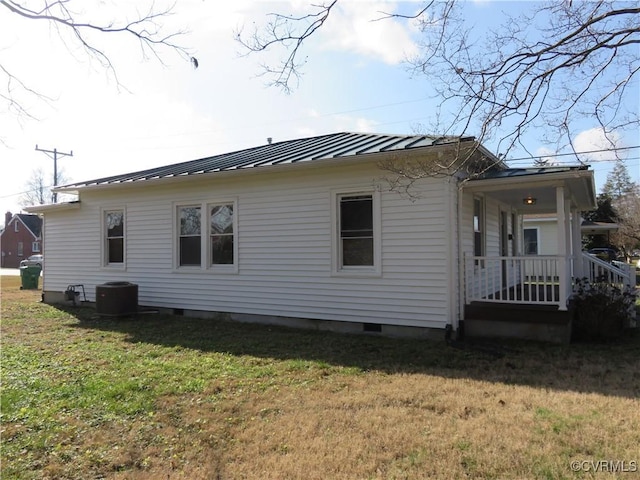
(503, 284)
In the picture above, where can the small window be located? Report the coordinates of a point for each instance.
(530, 241)
(189, 248)
(15, 226)
(478, 227)
(35, 247)
(222, 235)
(356, 231)
(20, 249)
(114, 243)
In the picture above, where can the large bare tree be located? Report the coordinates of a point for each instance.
(551, 66)
(38, 188)
(77, 30)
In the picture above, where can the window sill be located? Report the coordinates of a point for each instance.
(120, 267)
(357, 273)
(218, 270)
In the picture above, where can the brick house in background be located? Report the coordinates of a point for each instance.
(20, 238)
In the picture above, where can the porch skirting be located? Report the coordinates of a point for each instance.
(531, 322)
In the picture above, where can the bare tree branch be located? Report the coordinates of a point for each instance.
(147, 29)
(289, 32)
(542, 71)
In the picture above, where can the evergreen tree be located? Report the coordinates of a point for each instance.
(618, 182)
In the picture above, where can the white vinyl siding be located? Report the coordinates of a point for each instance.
(285, 227)
(547, 228)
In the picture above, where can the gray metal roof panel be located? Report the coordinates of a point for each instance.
(520, 172)
(336, 145)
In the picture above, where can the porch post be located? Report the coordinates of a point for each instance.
(562, 213)
(576, 237)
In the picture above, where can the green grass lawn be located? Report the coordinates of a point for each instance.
(175, 397)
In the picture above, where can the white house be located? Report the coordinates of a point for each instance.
(307, 231)
(540, 233)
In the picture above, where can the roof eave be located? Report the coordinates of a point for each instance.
(53, 207)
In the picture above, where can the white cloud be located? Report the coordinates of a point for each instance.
(595, 139)
(353, 27)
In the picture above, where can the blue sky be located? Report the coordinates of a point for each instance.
(354, 81)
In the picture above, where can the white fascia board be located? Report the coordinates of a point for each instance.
(539, 179)
(53, 207)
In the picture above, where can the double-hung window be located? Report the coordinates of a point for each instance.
(190, 225)
(222, 235)
(357, 237)
(207, 236)
(114, 237)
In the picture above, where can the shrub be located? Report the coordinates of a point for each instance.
(600, 311)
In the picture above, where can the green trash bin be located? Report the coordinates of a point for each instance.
(30, 275)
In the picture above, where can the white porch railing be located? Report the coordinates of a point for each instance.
(516, 280)
(618, 274)
(537, 280)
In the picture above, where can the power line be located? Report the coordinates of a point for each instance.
(615, 149)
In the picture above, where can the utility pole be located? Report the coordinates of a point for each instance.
(54, 154)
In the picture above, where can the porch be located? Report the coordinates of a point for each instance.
(505, 291)
(527, 296)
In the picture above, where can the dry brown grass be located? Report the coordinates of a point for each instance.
(275, 403)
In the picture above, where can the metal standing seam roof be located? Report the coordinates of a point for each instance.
(521, 172)
(335, 145)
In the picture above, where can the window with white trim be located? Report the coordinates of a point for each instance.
(20, 249)
(356, 230)
(114, 237)
(357, 233)
(207, 236)
(35, 247)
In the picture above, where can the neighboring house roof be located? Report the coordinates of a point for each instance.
(336, 145)
(32, 222)
(595, 228)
